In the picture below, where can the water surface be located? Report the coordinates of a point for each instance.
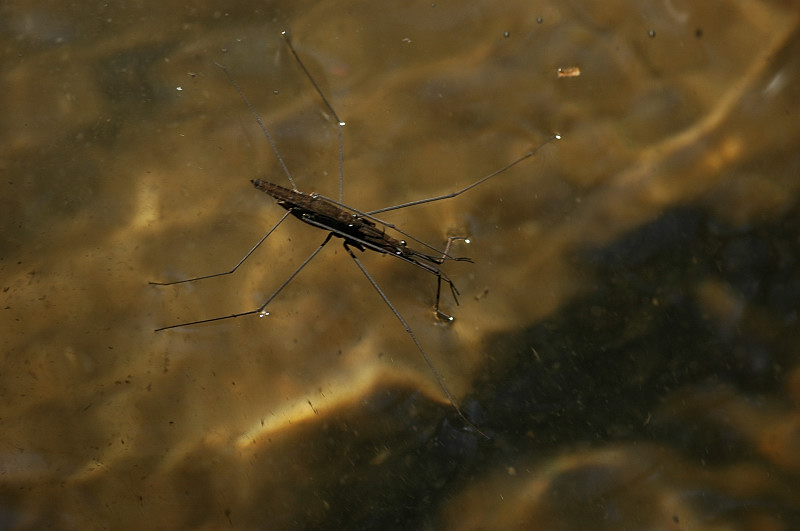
(627, 334)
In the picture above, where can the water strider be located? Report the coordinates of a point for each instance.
(358, 230)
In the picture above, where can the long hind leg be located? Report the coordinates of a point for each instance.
(410, 332)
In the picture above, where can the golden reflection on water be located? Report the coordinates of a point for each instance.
(627, 333)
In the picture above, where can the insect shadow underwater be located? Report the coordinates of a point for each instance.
(358, 229)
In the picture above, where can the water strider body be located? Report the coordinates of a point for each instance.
(358, 230)
(361, 231)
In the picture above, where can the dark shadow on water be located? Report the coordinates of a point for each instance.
(595, 371)
(596, 374)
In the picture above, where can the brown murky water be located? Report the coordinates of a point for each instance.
(627, 334)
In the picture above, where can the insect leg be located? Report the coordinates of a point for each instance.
(397, 229)
(440, 314)
(245, 257)
(482, 180)
(450, 241)
(260, 309)
(411, 259)
(440, 275)
(408, 330)
(339, 122)
(260, 124)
